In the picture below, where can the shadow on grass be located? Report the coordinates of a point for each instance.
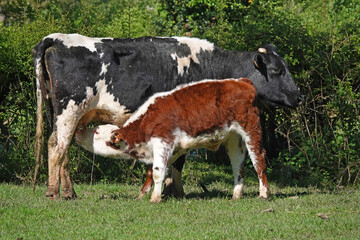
(222, 194)
(279, 194)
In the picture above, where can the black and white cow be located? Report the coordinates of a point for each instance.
(84, 79)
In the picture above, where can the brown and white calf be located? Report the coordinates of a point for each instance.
(204, 114)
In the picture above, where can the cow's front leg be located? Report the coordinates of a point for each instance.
(67, 187)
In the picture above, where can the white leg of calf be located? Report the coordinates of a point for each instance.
(158, 176)
(161, 153)
(258, 160)
(264, 191)
(235, 148)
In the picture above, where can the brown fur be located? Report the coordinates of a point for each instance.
(197, 110)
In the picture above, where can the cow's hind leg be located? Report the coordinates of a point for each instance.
(67, 187)
(54, 164)
(173, 183)
(235, 148)
(58, 145)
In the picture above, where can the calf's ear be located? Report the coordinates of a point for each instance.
(116, 136)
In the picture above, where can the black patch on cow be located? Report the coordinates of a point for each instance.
(72, 71)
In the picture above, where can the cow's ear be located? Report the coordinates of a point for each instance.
(259, 62)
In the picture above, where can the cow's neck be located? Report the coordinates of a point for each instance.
(232, 64)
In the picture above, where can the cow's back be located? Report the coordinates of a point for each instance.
(132, 70)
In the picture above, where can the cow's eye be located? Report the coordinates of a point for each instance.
(96, 131)
(277, 70)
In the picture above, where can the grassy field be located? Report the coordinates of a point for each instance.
(110, 212)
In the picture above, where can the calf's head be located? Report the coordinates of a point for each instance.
(96, 140)
(272, 80)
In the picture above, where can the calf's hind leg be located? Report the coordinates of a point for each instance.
(235, 148)
(257, 155)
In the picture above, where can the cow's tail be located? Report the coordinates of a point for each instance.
(38, 53)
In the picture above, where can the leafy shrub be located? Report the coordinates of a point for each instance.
(316, 143)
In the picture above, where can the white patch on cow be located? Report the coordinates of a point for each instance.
(66, 123)
(144, 107)
(89, 93)
(182, 63)
(195, 45)
(106, 101)
(76, 40)
(104, 68)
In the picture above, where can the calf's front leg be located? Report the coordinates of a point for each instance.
(161, 154)
(158, 177)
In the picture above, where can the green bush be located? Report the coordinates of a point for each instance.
(315, 144)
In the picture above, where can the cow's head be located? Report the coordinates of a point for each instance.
(272, 80)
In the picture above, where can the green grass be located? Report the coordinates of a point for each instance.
(110, 212)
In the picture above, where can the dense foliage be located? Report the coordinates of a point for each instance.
(316, 143)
